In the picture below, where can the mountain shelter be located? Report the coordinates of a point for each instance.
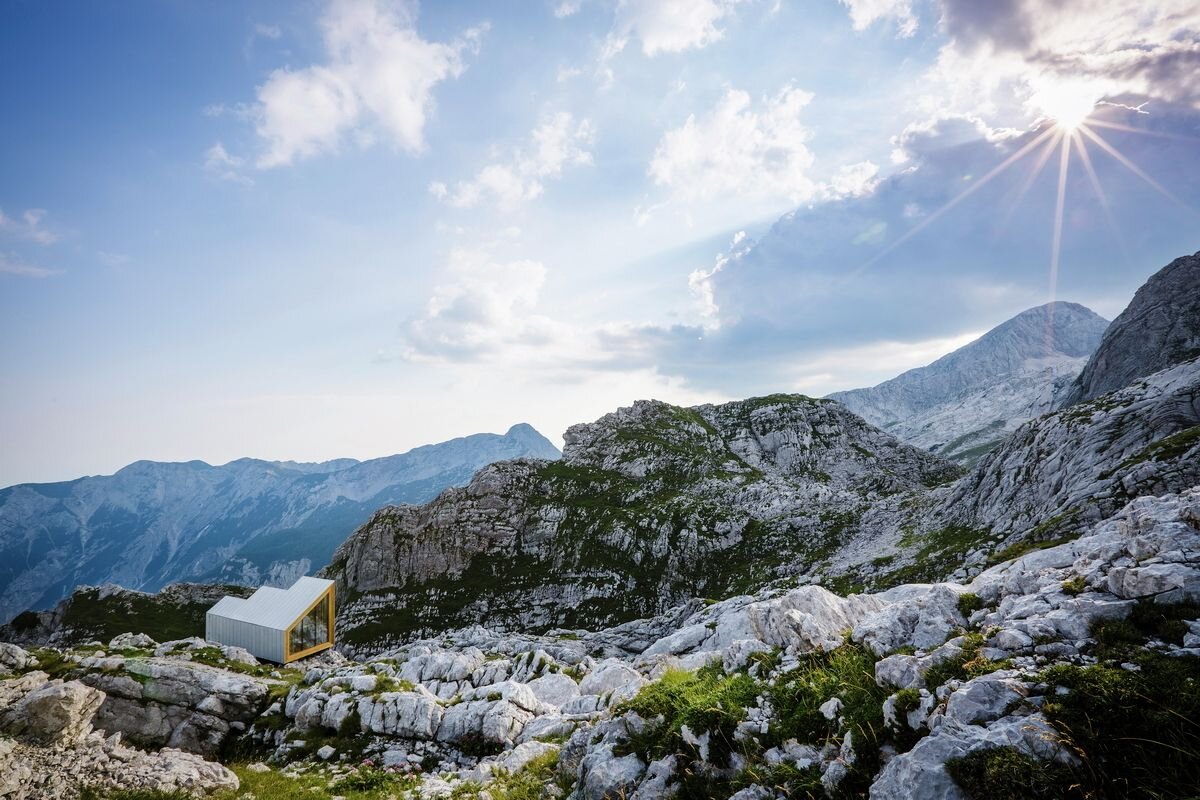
(279, 625)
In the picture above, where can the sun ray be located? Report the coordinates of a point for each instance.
(1042, 158)
(1085, 158)
(1134, 168)
(1142, 131)
(964, 194)
(1064, 164)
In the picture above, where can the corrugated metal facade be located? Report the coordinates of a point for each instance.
(260, 622)
(263, 642)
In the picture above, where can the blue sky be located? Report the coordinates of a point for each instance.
(323, 229)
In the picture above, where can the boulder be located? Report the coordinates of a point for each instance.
(921, 772)
(54, 712)
(554, 689)
(15, 659)
(986, 698)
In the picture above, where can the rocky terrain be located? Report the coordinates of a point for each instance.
(1159, 328)
(648, 507)
(878, 624)
(948, 690)
(966, 402)
(248, 521)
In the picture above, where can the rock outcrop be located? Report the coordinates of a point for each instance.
(648, 507)
(1159, 328)
(56, 752)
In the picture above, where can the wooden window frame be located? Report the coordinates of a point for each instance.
(288, 655)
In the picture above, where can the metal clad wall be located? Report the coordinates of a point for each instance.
(262, 642)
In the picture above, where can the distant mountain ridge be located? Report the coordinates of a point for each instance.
(248, 521)
(963, 404)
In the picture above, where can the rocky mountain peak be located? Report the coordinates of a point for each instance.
(1159, 328)
(961, 405)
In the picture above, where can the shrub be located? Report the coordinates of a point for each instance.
(907, 700)
(1005, 773)
(1074, 586)
(1121, 638)
(969, 603)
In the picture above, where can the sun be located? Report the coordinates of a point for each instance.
(1066, 103)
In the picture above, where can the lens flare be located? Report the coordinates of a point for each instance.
(1067, 104)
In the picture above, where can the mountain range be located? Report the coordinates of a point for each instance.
(248, 521)
(655, 503)
(755, 600)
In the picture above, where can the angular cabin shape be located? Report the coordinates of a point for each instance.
(279, 625)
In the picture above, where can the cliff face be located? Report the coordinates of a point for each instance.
(649, 506)
(1161, 327)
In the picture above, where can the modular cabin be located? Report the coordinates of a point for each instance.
(279, 625)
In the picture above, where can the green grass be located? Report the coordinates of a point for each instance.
(1166, 449)
(528, 783)
(968, 664)
(847, 673)
(705, 700)
(1136, 733)
(1018, 549)
(1074, 586)
(1005, 773)
(1119, 639)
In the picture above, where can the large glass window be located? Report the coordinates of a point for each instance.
(313, 629)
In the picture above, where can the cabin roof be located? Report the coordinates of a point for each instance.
(271, 607)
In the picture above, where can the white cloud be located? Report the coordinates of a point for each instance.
(267, 31)
(558, 142)
(854, 180)
(486, 308)
(863, 13)
(1028, 59)
(11, 265)
(672, 26)
(700, 282)
(842, 368)
(567, 8)
(219, 162)
(28, 225)
(377, 82)
(738, 149)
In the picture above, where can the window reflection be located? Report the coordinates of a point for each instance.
(313, 629)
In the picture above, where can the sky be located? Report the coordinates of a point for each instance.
(311, 230)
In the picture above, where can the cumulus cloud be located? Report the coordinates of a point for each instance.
(1051, 54)
(11, 265)
(485, 307)
(739, 148)
(672, 26)
(219, 162)
(567, 8)
(885, 272)
(377, 81)
(558, 142)
(27, 225)
(863, 13)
